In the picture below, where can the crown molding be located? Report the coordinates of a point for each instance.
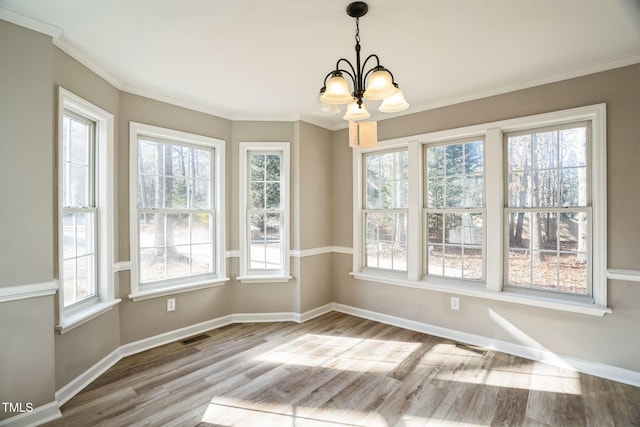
(30, 23)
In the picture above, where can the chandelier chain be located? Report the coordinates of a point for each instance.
(358, 30)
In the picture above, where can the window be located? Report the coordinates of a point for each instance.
(177, 234)
(264, 202)
(78, 209)
(454, 214)
(512, 210)
(548, 214)
(85, 200)
(385, 210)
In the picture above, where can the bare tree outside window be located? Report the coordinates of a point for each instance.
(548, 209)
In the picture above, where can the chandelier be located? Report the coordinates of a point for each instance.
(375, 84)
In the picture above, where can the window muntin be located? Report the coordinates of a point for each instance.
(175, 211)
(454, 209)
(548, 209)
(79, 239)
(572, 162)
(385, 213)
(265, 211)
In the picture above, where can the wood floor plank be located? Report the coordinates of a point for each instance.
(340, 370)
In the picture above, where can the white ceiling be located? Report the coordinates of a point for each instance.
(266, 60)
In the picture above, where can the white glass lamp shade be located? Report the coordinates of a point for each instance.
(394, 103)
(356, 112)
(337, 91)
(379, 86)
(324, 109)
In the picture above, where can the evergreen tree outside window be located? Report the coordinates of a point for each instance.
(454, 209)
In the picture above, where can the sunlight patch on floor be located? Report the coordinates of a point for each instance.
(340, 353)
(240, 413)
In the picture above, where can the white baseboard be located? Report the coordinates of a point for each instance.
(172, 336)
(263, 317)
(38, 416)
(313, 313)
(538, 354)
(51, 411)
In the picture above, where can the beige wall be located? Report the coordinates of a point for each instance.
(35, 361)
(26, 114)
(598, 339)
(70, 362)
(26, 207)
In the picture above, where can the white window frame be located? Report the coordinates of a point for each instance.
(365, 211)
(458, 210)
(183, 284)
(103, 190)
(264, 276)
(492, 287)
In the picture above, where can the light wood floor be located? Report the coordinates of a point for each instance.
(339, 370)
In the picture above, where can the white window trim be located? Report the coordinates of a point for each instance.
(494, 203)
(78, 314)
(282, 275)
(218, 165)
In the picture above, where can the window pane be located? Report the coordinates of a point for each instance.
(178, 261)
(257, 163)
(573, 273)
(473, 157)
(573, 147)
(84, 233)
(435, 192)
(150, 158)
(200, 194)
(152, 264)
(519, 267)
(386, 242)
(435, 228)
(454, 159)
(69, 281)
(272, 167)
(519, 153)
(473, 263)
(201, 259)
(453, 261)
(519, 235)
(200, 228)
(454, 191)
(79, 142)
(435, 161)
(200, 164)
(461, 254)
(78, 186)
(257, 200)
(435, 260)
(455, 175)
(265, 242)
(177, 229)
(273, 195)
(151, 229)
(387, 180)
(175, 193)
(68, 235)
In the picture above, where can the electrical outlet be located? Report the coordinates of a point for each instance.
(171, 304)
(455, 303)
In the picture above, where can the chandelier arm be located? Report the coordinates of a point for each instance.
(353, 73)
(364, 64)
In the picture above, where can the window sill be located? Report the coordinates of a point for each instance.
(74, 320)
(479, 292)
(264, 279)
(161, 292)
